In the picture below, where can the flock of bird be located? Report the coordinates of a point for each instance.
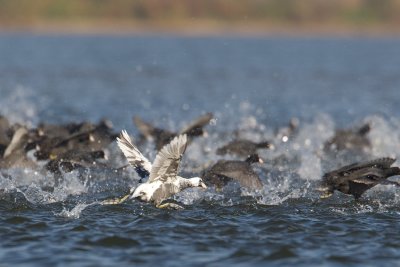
(63, 148)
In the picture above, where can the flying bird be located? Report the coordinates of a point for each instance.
(162, 137)
(225, 171)
(242, 147)
(355, 179)
(163, 181)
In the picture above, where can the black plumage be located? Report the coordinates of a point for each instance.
(242, 147)
(225, 171)
(355, 179)
(349, 139)
(162, 137)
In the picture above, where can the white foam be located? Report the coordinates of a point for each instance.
(20, 107)
(75, 212)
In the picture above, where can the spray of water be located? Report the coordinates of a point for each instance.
(291, 170)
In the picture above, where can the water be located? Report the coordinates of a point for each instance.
(252, 84)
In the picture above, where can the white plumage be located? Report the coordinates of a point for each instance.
(133, 155)
(163, 180)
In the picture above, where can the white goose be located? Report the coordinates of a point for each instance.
(163, 180)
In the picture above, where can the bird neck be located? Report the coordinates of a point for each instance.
(188, 182)
(252, 159)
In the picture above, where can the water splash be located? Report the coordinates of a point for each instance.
(291, 170)
(75, 212)
(384, 136)
(24, 107)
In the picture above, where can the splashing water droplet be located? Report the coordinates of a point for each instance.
(74, 213)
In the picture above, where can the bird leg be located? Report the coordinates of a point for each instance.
(169, 205)
(115, 201)
(326, 194)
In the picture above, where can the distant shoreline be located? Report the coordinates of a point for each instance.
(198, 29)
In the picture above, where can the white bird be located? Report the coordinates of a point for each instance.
(163, 180)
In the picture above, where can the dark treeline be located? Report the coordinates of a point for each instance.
(358, 12)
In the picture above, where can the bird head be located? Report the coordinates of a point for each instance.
(197, 182)
(141, 193)
(254, 158)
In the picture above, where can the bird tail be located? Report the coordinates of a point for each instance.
(392, 171)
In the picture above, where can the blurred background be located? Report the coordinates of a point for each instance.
(206, 16)
(60, 60)
(256, 65)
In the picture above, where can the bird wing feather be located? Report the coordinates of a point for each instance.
(239, 171)
(145, 128)
(133, 155)
(167, 161)
(380, 163)
(199, 122)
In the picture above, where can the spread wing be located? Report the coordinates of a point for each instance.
(368, 176)
(167, 161)
(381, 163)
(197, 124)
(141, 164)
(146, 129)
(247, 178)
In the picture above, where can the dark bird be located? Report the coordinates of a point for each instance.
(5, 138)
(357, 178)
(287, 133)
(162, 137)
(243, 147)
(356, 140)
(72, 160)
(54, 141)
(15, 153)
(225, 171)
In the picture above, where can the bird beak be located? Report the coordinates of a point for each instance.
(203, 185)
(131, 191)
(205, 134)
(260, 160)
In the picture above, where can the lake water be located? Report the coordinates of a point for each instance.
(255, 85)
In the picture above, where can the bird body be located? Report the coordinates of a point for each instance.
(162, 137)
(234, 170)
(355, 179)
(242, 147)
(163, 180)
(349, 139)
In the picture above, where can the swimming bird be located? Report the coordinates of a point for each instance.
(15, 153)
(355, 179)
(4, 134)
(242, 147)
(52, 141)
(163, 137)
(225, 171)
(288, 132)
(163, 181)
(72, 160)
(349, 139)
